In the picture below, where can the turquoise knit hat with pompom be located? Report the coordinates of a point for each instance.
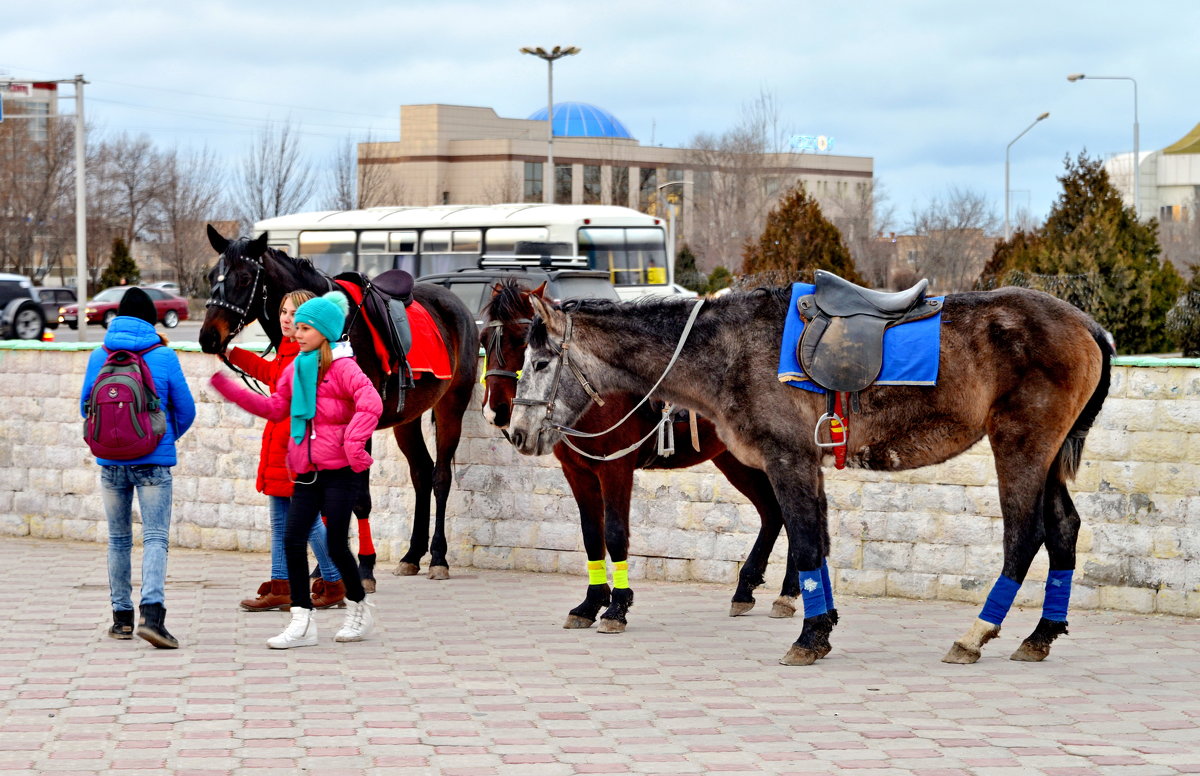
(326, 314)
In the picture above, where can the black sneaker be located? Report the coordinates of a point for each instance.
(122, 627)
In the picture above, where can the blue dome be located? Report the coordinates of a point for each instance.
(578, 119)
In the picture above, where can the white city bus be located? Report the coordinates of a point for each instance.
(629, 245)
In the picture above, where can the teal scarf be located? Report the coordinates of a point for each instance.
(304, 391)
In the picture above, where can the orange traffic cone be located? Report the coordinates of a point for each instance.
(47, 336)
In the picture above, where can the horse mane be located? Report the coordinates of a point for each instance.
(508, 303)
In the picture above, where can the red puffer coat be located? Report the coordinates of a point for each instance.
(273, 479)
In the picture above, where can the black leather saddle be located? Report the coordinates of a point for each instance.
(841, 348)
(384, 299)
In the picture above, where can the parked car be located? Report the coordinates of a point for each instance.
(21, 317)
(103, 307)
(169, 287)
(474, 286)
(52, 298)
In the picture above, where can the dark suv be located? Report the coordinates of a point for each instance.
(474, 286)
(21, 315)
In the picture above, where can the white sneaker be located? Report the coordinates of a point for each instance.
(300, 632)
(360, 620)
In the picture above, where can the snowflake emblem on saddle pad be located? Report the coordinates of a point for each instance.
(811, 585)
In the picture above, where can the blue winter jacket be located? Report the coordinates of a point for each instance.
(129, 333)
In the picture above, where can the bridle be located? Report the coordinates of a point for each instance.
(664, 428)
(217, 298)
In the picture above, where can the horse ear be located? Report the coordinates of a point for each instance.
(215, 239)
(257, 246)
(540, 291)
(544, 310)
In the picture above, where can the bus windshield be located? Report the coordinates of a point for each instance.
(632, 256)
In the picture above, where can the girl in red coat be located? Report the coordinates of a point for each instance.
(273, 480)
(333, 409)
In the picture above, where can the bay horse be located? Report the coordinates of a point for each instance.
(249, 281)
(1027, 370)
(603, 488)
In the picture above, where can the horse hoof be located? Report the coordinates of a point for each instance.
(961, 655)
(1031, 653)
(575, 622)
(368, 585)
(611, 626)
(783, 607)
(740, 607)
(405, 569)
(799, 656)
(439, 572)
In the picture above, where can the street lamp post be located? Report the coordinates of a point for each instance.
(558, 52)
(1137, 172)
(1007, 230)
(662, 203)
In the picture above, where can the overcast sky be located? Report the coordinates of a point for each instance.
(933, 91)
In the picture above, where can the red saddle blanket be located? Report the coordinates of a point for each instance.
(428, 352)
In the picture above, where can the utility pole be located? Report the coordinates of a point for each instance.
(80, 194)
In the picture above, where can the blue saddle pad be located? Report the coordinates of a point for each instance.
(911, 351)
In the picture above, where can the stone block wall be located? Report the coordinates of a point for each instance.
(930, 533)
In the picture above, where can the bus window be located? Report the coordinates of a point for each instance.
(373, 256)
(403, 242)
(632, 257)
(646, 249)
(373, 242)
(466, 241)
(330, 252)
(435, 241)
(503, 240)
(432, 263)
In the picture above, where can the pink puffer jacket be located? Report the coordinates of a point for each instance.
(348, 409)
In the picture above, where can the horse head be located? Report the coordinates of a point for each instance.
(506, 325)
(552, 392)
(237, 288)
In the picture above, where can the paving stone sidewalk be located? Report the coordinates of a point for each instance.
(475, 677)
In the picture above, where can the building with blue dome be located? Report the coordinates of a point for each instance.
(579, 119)
(457, 154)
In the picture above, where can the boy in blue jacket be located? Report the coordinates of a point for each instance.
(150, 475)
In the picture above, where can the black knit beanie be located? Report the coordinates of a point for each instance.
(136, 303)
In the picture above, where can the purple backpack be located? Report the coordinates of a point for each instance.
(125, 419)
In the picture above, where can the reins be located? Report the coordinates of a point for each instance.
(664, 428)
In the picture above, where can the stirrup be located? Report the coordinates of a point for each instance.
(831, 418)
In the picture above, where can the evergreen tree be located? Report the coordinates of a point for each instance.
(720, 278)
(122, 270)
(1090, 239)
(797, 240)
(686, 273)
(1184, 318)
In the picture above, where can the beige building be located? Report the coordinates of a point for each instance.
(452, 154)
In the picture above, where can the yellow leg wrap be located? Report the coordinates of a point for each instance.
(596, 573)
(621, 574)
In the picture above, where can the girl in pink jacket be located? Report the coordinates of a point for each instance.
(333, 410)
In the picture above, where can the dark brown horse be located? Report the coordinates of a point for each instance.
(249, 282)
(603, 488)
(1025, 369)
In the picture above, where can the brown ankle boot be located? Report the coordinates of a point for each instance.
(272, 595)
(326, 595)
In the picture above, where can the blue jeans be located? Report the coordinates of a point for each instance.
(316, 540)
(153, 485)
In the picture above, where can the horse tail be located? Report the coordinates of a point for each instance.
(1069, 455)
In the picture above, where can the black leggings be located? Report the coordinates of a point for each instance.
(331, 494)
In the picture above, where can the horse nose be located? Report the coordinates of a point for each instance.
(501, 416)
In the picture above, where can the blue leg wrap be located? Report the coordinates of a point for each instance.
(1058, 595)
(827, 586)
(1000, 600)
(813, 592)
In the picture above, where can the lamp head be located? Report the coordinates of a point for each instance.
(1076, 77)
(1045, 115)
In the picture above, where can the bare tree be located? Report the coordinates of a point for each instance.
(1180, 238)
(276, 179)
(509, 187)
(864, 215)
(189, 197)
(36, 170)
(377, 186)
(739, 174)
(952, 239)
(131, 171)
(340, 178)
